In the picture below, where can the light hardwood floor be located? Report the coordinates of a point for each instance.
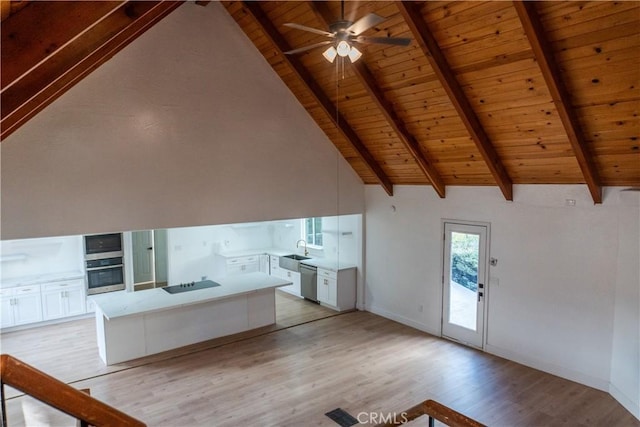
(69, 351)
(356, 361)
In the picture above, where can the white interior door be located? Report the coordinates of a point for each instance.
(464, 279)
(142, 248)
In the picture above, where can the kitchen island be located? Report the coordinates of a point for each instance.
(137, 324)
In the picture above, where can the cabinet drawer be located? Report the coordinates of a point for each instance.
(26, 290)
(60, 286)
(242, 260)
(6, 292)
(327, 273)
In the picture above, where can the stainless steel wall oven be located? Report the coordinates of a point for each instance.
(104, 263)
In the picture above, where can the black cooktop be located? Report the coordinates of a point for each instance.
(192, 286)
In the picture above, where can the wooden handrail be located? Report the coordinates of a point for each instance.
(436, 411)
(59, 395)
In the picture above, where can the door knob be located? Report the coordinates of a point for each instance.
(480, 294)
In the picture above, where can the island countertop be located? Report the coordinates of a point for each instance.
(119, 304)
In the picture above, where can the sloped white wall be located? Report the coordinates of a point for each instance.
(186, 126)
(551, 296)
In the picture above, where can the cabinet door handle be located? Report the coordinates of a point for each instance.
(326, 282)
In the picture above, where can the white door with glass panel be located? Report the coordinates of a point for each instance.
(464, 279)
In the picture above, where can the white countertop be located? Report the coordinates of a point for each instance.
(258, 251)
(326, 263)
(37, 279)
(118, 304)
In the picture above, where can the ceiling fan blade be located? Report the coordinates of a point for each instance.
(395, 41)
(305, 28)
(364, 23)
(305, 48)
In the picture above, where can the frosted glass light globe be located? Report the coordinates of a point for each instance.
(343, 48)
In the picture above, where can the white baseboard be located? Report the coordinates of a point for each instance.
(626, 401)
(401, 319)
(561, 371)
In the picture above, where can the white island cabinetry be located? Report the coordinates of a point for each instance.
(137, 324)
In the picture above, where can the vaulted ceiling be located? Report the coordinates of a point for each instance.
(487, 93)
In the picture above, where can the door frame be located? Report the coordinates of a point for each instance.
(152, 258)
(485, 320)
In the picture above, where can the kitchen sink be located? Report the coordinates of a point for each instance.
(297, 257)
(292, 262)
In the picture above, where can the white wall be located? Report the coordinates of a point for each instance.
(551, 297)
(625, 355)
(192, 250)
(177, 129)
(33, 257)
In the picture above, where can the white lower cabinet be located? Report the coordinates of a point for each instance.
(283, 273)
(337, 290)
(21, 305)
(241, 265)
(274, 265)
(327, 287)
(292, 276)
(264, 263)
(63, 299)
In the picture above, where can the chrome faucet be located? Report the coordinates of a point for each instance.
(306, 252)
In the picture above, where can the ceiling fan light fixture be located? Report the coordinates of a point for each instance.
(343, 48)
(330, 54)
(354, 54)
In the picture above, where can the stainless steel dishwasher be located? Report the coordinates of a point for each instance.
(308, 282)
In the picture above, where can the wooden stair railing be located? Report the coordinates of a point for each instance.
(435, 411)
(59, 395)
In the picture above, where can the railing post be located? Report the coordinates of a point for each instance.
(4, 406)
(432, 421)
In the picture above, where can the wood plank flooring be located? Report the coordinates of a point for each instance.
(292, 376)
(69, 351)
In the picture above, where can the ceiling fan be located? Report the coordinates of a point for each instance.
(344, 34)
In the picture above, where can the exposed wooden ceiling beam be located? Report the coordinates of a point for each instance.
(43, 76)
(367, 79)
(411, 13)
(8, 7)
(559, 93)
(323, 100)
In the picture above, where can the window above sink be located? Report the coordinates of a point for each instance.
(312, 232)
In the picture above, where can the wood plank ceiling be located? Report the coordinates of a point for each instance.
(487, 93)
